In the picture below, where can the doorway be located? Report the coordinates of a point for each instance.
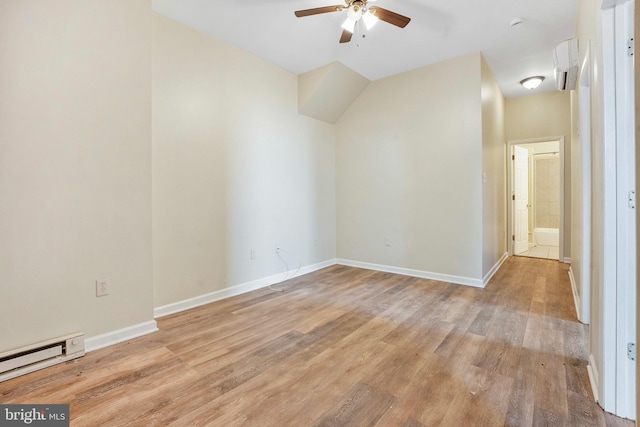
(536, 192)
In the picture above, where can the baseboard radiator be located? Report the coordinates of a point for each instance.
(27, 359)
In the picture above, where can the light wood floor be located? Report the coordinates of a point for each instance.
(346, 347)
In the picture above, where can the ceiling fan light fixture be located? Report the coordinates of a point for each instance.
(349, 25)
(532, 82)
(355, 12)
(369, 19)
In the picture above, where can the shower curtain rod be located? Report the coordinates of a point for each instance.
(541, 154)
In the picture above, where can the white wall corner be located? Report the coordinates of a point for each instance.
(458, 280)
(114, 337)
(494, 269)
(234, 290)
(576, 296)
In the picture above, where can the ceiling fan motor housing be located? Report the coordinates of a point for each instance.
(356, 8)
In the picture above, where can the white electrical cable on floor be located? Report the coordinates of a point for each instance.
(286, 265)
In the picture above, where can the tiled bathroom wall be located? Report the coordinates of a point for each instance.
(546, 187)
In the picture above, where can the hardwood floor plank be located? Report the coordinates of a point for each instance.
(257, 362)
(445, 382)
(500, 352)
(412, 423)
(419, 335)
(295, 393)
(520, 411)
(543, 418)
(551, 388)
(613, 421)
(356, 341)
(363, 405)
(485, 403)
(109, 405)
(584, 413)
(484, 319)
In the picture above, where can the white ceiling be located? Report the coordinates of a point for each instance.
(438, 30)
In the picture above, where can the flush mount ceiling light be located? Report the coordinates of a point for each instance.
(532, 82)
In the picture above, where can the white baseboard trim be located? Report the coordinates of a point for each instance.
(476, 283)
(241, 288)
(574, 291)
(114, 337)
(592, 371)
(494, 269)
(567, 260)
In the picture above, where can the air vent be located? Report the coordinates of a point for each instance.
(566, 58)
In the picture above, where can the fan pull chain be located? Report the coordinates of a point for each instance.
(359, 32)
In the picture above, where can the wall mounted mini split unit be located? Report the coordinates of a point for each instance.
(44, 354)
(566, 59)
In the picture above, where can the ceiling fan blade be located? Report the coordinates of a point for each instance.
(346, 36)
(390, 17)
(317, 10)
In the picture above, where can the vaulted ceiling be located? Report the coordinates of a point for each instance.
(438, 30)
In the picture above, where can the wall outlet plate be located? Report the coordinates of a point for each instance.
(102, 287)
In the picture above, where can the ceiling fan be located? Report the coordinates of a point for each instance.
(357, 10)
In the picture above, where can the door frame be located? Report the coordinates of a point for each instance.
(510, 171)
(625, 224)
(617, 381)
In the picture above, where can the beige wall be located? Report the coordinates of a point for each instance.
(327, 92)
(494, 197)
(540, 116)
(409, 170)
(75, 167)
(235, 167)
(586, 30)
(577, 214)
(232, 167)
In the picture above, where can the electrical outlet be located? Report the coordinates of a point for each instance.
(277, 251)
(102, 287)
(387, 241)
(253, 254)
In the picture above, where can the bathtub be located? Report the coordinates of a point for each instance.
(546, 236)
